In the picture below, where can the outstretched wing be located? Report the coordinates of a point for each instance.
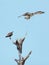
(39, 12)
(27, 13)
(24, 14)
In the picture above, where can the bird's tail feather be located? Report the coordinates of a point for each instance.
(6, 36)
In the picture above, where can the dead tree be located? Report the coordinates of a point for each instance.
(18, 44)
(22, 61)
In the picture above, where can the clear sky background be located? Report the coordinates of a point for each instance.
(37, 29)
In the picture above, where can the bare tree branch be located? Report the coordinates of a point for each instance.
(27, 55)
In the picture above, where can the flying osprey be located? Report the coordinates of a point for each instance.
(9, 35)
(28, 15)
(19, 43)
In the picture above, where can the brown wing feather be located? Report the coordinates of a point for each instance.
(25, 14)
(39, 12)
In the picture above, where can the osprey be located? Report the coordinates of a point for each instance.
(9, 35)
(19, 43)
(28, 15)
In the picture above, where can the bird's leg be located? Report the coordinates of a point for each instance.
(10, 38)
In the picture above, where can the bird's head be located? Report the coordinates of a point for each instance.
(41, 12)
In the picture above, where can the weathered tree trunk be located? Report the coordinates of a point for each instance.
(22, 60)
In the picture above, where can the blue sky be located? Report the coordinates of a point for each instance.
(37, 29)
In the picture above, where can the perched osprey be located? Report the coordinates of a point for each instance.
(9, 35)
(27, 15)
(19, 43)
